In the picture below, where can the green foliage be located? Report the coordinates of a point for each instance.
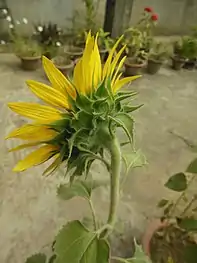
(158, 51)
(186, 47)
(133, 159)
(37, 258)
(48, 34)
(190, 253)
(78, 188)
(89, 130)
(192, 168)
(177, 182)
(162, 203)
(25, 47)
(75, 244)
(188, 223)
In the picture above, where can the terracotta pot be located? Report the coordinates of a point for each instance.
(132, 69)
(30, 63)
(177, 63)
(65, 69)
(74, 53)
(152, 228)
(153, 66)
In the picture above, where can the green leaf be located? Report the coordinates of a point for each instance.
(139, 255)
(76, 244)
(129, 109)
(192, 168)
(37, 258)
(78, 188)
(177, 182)
(125, 95)
(134, 159)
(124, 121)
(162, 203)
(84, 103)
(190, 253)
(82, 120)
(188, 223)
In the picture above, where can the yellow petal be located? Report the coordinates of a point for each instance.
(53, 165)
(96, 61)
(57, 79)
(106, 69)
(78, 78)
(51, 96)
(123, 82)
(35, 158)
(33, 132)
(87, 68)
(118, 69)
(23, 146)
(40, 113)
(115, 61)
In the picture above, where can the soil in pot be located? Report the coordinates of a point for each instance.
(177, 63)
(153, 66)
(175, 243)
(132, 68)
(190, 64)
(64, 65)
(74, 53)
(30, 63)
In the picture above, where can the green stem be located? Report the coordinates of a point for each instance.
(114, 182)
(119, 259)
(93, 213)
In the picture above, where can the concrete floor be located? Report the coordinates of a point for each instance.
(30, 212)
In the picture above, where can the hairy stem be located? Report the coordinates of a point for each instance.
(93, 213)
(114, 182)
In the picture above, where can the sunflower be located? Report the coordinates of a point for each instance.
(78, 111)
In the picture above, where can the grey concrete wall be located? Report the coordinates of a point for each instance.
(175, 16)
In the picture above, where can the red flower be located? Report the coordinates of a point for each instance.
(154, 17)
(148, 9)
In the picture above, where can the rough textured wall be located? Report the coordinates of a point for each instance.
(176, 16)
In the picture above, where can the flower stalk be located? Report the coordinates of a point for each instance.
(114, 182)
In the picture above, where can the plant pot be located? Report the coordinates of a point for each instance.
(153, 66)
(173, 243)
(177, 63)
(30, 63)
(66, 69)
(152, 228)
(190, 64)
(132, 68)
(74, 53)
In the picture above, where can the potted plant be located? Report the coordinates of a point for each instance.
(28, 51)
(63, 63)
(190, 51)
(50, 37)
(156, 58)
(136, 63)
(74, 52)
(81, 128)
(173, 235)
(146, 25)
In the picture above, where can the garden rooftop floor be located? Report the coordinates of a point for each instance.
(30, 212)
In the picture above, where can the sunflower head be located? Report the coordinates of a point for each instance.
(83, 115)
